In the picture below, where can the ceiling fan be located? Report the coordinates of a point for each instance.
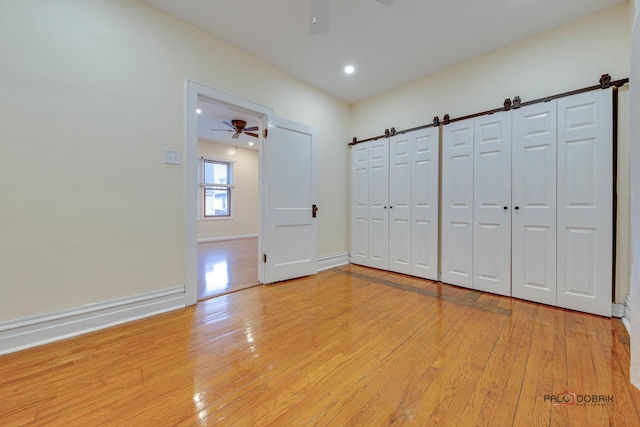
(239, 126)
(319, 15)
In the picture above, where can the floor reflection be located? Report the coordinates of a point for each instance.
(227, 266)
(216, 276)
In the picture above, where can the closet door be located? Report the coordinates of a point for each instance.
(424, 199)
(585, 187)
(457, 203)
(379, 204)
(492, 203)
(534, 203)
(400, 148)
(360, 204)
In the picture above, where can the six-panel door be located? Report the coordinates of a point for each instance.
(526, 203)
(534, 203)
(585, 216)
(424, 199)
(379, 204)
(457, 203)
(492, 203)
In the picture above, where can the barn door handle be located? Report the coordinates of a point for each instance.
(314, 211)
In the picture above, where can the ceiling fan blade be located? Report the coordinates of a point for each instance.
(229, 124)
(224, 130)
(319, 17)
(255, 135)
(251, 129)
(385, 2)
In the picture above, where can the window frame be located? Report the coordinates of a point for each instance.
(213, 186)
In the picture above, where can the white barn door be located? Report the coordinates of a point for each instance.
(424, 201)
(457, 203)
(400, 147)
(534, 203)
(492, 204)
(585, 187)
(360, 204)
(379, 204)
(290, 236)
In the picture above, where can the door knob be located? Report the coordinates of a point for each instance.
(505, 208)
(517, 207)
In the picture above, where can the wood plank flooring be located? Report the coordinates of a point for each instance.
(349, 346)
(227, 266)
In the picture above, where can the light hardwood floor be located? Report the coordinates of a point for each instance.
(227, 266)
(349, 346)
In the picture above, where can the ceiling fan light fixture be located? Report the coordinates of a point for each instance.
(238, 126)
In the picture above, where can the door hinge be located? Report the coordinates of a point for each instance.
(314, 211)
(266, 133)
(264, 257)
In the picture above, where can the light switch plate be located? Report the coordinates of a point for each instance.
(172, 157)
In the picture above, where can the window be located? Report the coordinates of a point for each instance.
(216, 183)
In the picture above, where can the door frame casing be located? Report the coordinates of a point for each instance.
(193, 90)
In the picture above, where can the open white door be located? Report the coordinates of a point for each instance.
(290, 233)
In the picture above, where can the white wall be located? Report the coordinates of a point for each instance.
(635, 201)
(92, 94)
(567, 58)
(570, 57)
(244, 194)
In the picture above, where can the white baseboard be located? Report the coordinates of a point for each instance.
(626, 319)
(333, 260)
(20, 334)
(219, 239)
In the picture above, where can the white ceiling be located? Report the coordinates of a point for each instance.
(213, 116)
(388, 45)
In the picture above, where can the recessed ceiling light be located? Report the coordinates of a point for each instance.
(349, 69)
(198, 111)
(250, 143)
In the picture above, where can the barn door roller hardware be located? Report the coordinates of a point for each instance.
(605, 82)
(392, 132)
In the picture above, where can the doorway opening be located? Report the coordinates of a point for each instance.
(228, 191)
(223, 224)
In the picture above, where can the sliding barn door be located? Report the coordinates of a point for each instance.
(360, 204)
(492, 203)
(400, 154)
(424, 213)
(585, 182)
(379, 204)
(457, 203)
(534, 203)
